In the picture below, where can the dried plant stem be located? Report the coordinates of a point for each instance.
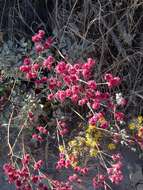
(8, 134)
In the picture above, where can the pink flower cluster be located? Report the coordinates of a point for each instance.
(97, 118)
(71, 77)
(22, 177)
(72, 82)
(81, 170)
(111, 80)
(119, 116)
(37, 137)
(58, 185)
(42, 131)
(37, 39)
(74, 178)
(114, 173)
(63, 162)
(38, 165)
(98, 181)
(69, 82)
(63, 128)
(76, 84)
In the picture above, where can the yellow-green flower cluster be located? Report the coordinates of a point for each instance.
(111, 146)
(136, 123)
(77, 146)
(86, 144)
(93, 137)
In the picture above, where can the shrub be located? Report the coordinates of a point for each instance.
(79, 111)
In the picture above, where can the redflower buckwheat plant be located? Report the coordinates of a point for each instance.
(78, 114)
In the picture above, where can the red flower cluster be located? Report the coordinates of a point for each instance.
(74, 178)
(72, 82)
(115, 173)
(81, 170)
(69, 82)
(98, 181)
(62, 127)
(112, 81)
(63, 162)
(22, 178)
(119, 116)
(75, 84)
(37, 39)
(42, 131)
(58, 185)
